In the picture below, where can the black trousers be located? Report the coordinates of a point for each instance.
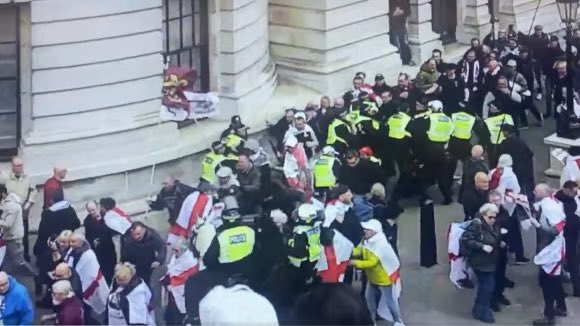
(25, 240)
(572, 259)
(402, 157)
(552, 292)
(514, 236)
(500, 270)
(436, 169)
(528, 104)
(399, 39)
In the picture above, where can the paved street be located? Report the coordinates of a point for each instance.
(428, 296)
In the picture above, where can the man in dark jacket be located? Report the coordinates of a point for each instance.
(250, 184)
(522, 156)
(144, 248)
(100, 237)
(553, 53)
(359, 175)
(567, 195)
(451, 88)
(474, 197)
(476, 163)
(171, 197)
(399, 11)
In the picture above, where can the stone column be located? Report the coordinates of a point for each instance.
(321, 44)
(472, 20)
(248, 74)
(520, 13)
(422, 39)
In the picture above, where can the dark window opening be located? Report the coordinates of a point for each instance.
(186, 37)
(9, 80)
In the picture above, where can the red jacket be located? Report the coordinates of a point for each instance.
(71, 312)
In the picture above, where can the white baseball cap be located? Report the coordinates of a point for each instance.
(373, 225)
(327, 150)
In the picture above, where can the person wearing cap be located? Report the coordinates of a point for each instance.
(296, 165)
(325, 171)
(367, 154)
(304, 246)
(523, 158)
(303, 133)
(260, 159)
(234, 142)
(451, 88)
(230, 251)
(340, 134)
(492, 135)
(234, 120)
(211, 163)
(380, 86)
(227, 184)
(376, 257)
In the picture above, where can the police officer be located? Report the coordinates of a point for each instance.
(325, 171)
(230, 251)
(398, 141)
(438, 130)
(212, 162)
(340, 134)
(460, 143)
(493, 135)
(234, 141)
(304, 247)
(234, 120)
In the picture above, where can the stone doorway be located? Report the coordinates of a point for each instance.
(444, 19)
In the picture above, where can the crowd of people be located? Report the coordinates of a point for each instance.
(279, 238)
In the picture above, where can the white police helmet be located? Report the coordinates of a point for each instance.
(436, 105)
(307, 212)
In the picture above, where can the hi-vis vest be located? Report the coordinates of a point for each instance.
(361, 118)
(209, 164)
(440, 129)
(236, 243)
(323, 175)
(463, 125)
(494, 125)
(233, 141)
(398, 125)
(332, 137)
(314, 246)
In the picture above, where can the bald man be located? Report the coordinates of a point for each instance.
(53, 185)
(16, 306)
(475, 196)
(64, 272)
(17, 182)
(476, 163)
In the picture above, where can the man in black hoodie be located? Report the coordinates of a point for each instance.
(553, 53)
(567, 195)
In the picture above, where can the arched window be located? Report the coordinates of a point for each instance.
(186, 37)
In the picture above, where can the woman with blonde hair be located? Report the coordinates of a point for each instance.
(130, 298)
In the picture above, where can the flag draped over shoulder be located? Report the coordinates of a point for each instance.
(196, 205)
(95, 288)
(334, 259)
(117, 220)
(179, 270)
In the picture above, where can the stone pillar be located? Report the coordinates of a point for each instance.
(422, 39)
(472, 20)
(321, 44)
(520, 13)
(248, 74)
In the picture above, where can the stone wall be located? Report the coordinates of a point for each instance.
(321, 44)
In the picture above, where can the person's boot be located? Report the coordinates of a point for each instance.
(509, 283)
(522, 260)
(576, 293)
(560, 312)
(447, 201)
(504, 301)
(545, 321)
(495, 306)
(466, 283)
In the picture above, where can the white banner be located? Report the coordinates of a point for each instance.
(201, 105)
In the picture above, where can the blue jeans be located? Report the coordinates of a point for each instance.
(376, 295)
(485, 287)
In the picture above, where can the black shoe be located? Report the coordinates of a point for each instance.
(466, 283)
(495, 307)
(504, 301)
(522, 260)
(509, 283)
(544, 322)
(576, 293)
(561, 312)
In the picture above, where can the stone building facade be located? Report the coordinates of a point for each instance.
(86, 74)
